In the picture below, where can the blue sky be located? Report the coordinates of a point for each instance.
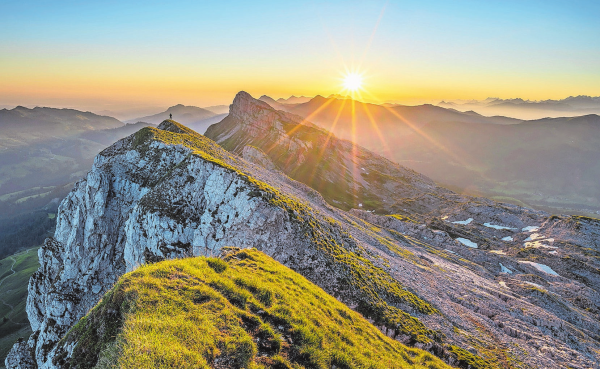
(206, 51)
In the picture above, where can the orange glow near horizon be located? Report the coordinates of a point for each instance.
(107, 56)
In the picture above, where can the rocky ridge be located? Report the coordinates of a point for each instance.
(530, 301)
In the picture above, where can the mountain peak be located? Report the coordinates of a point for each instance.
(266, 98)
(244, 103)
(242, 95)
(186, 114)
(170, 125)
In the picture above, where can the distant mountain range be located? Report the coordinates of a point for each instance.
(184, 114)
(43, 151)
(527, 109)
(20, 126)
(198, 119)
(294, 100)
(272, 102)
(218, 109)
(549, 163)
(282, 103)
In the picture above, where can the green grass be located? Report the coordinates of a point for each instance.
(242, 311)
(13, 292)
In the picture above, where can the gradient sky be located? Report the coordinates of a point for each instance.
(115, 54)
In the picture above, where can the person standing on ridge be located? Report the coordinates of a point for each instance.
(170, 116)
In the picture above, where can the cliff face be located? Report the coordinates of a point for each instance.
(169, 192)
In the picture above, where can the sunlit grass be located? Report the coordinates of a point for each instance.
(246, 311)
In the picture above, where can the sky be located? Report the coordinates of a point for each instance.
(132, 54)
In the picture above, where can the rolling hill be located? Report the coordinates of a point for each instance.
(184, 114)
(21, 126)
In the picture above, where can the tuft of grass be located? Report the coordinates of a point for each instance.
(255, 313)
(217, 264)
(468, 360)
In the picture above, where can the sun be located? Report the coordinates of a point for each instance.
(353, 82)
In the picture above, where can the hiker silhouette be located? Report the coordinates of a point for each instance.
(170, 116)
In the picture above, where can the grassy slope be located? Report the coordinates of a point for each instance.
(243, 311)
(13, 293)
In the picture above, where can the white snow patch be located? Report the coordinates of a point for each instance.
(536, 240)
(533, 237)
(489, 225)
(503, 284)
(530, 229)
(538, 244)
(504, 269)
(507, 238)
(360, 205)
(540, 267)
(450, 251)
(467, 243)
(553, 252)
(499, 252)
(463, 222)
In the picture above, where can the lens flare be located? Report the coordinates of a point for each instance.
(353, 82)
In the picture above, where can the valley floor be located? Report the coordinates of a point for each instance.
(15, 271)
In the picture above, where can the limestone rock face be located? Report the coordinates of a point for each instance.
(531, 301)
(21, 356)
